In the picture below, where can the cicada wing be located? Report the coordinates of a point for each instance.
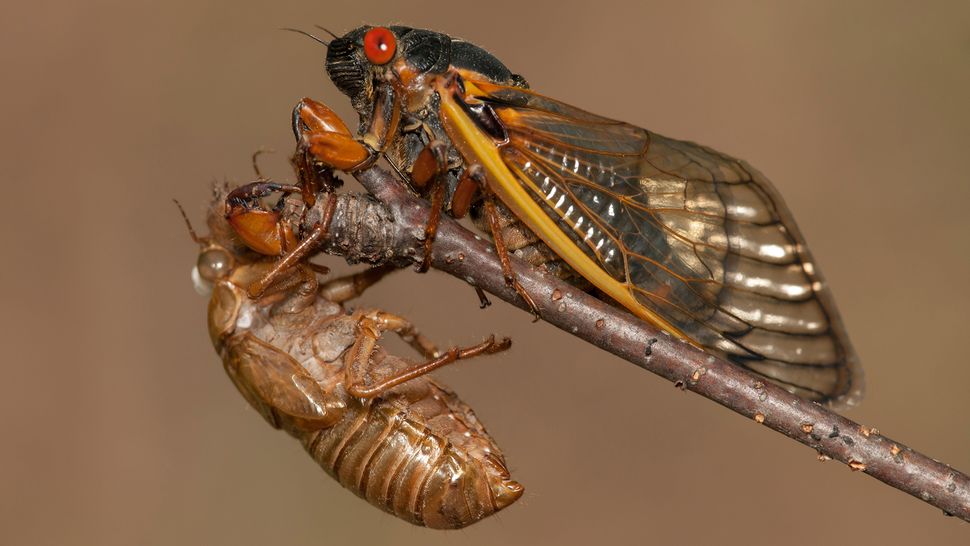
(276, 385)
(695, 236)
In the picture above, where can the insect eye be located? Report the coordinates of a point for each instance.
(379, 45)
(214, 264)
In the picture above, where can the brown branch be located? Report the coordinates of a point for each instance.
(363, 230)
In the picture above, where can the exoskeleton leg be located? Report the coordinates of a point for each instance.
(261, 230)
(300, 288)
(372, 325)
(293, 257)
(264, 232)
(343, 289)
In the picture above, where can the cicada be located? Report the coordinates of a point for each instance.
(687, 238)
(372, 420)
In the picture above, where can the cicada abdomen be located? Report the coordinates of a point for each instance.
(415, 450)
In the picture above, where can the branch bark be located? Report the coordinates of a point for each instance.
(364, 230)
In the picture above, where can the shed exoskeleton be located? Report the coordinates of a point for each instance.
(372, 420)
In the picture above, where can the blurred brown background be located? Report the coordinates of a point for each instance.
(121, 428)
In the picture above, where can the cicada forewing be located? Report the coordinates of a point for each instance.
(688, 238)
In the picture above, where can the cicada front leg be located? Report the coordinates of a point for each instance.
(324, 135)
(372, 325)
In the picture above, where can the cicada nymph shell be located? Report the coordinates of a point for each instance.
(416, 450)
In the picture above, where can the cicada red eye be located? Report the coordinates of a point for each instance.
(379, 45)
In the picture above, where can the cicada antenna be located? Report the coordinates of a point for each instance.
(335, 37)
(198, 240)
(307, 34)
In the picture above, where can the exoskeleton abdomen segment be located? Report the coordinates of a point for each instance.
(401, 466)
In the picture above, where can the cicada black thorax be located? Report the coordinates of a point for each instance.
(421, 129)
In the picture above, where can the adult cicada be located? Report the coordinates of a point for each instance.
(689, 239)
(372, 420)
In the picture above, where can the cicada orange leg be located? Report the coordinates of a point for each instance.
(472, 182)
(327, 138)
(372, 325)
(431, 166)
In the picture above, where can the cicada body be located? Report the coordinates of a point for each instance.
(690, 239)
(414, 449)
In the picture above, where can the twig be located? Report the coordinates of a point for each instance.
(365, 231)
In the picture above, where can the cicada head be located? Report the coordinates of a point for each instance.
(393, 76)
(366, 58)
